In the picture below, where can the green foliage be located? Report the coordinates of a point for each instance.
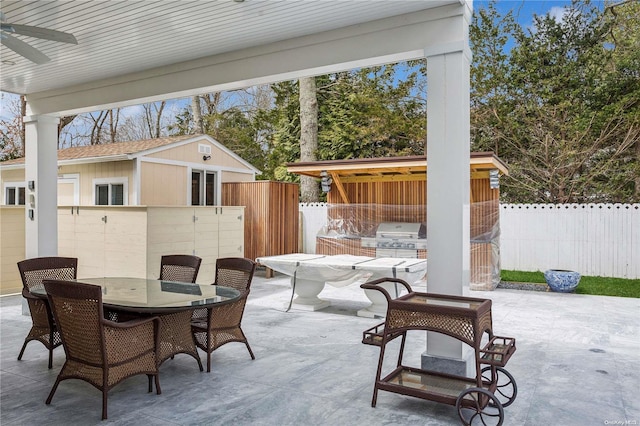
(562, 107)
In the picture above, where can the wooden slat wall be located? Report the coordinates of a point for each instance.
(484, 217)
(271, 215)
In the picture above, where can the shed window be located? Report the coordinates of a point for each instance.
(14, 196)
(110, 193)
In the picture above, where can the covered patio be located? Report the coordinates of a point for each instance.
(576, 364)
(129, 53)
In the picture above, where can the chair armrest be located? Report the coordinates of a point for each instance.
(128, 340)
(131, 323)
(28, 295)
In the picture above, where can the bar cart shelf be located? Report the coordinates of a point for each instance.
(478, 400)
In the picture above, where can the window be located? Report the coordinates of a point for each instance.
(14, 194)
(110, 192)
(203, 188)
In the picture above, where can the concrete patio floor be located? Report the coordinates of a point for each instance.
(577, 363)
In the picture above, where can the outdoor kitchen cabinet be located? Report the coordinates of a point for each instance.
(129, 241)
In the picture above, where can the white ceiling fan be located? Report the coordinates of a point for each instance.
(24, 49)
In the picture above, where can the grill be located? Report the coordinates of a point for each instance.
(398, 239)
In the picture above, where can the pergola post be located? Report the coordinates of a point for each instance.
(448, 219)
(41, 175)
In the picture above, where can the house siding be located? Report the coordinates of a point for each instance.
(189, 153)
(91, 171)
(163, 184)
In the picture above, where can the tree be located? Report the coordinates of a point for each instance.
(308, 136)
(556, 107)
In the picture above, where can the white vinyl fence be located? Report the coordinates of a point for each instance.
(593, 239)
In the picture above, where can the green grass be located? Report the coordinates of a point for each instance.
(602, 286)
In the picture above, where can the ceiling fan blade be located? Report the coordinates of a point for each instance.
(23, 49)
(43, 33)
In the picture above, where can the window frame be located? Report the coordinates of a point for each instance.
(15, 186)
(215, 185)
(110, 182)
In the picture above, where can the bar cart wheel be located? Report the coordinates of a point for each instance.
(506, 389)
(478, 406)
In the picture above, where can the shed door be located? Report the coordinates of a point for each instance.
(203, 188)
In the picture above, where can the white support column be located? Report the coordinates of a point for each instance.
(41, 175)
(448, 151)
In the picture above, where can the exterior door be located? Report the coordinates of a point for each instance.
(203, 188)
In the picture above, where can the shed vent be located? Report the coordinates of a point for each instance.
(204, 149)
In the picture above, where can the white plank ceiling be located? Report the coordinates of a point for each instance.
(117, 37)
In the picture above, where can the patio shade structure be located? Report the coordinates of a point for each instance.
(388, 169)
(134, 52)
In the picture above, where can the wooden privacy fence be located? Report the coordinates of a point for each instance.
(593, 239)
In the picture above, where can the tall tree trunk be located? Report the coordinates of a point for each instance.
(309, 191)
(197, 115)
(23, 112)
(636, 191)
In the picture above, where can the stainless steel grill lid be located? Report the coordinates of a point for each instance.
(400, 230)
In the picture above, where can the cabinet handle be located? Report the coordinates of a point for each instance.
(104, 219)
(240, 217)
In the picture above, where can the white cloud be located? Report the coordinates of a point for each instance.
(558, 13)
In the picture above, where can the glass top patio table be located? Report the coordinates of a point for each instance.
(150, 295)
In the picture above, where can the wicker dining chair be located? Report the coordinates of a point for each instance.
(33, 272)
(180, 267)
(216, 326)
(100, 352)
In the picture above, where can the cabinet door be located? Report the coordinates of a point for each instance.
(231, 235)
(89, 242)
(67, 232)
(170, 230)
(125, 243)
(205, 241)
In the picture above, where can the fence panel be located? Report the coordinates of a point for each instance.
(593, 239)
(313, 216)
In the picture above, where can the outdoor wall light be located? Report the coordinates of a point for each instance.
(325, 181)
(494, 178)
(206, 157)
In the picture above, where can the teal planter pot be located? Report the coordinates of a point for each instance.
(561, 280)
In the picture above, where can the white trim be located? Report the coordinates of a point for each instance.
(16, 185)
(72, 178)
(397, 37)
(136, 181)
(206, 138)
(217, 183)
(111, 181)
(212, 167)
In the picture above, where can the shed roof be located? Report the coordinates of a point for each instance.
(390, 168)
(125, 150)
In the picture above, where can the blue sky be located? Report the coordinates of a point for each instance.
(523, 10)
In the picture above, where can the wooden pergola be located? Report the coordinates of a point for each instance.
(374, 190)
(389, 169)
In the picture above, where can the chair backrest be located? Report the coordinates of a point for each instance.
(180, 267)
(34, 271)
(236, 272)
(77, 309)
